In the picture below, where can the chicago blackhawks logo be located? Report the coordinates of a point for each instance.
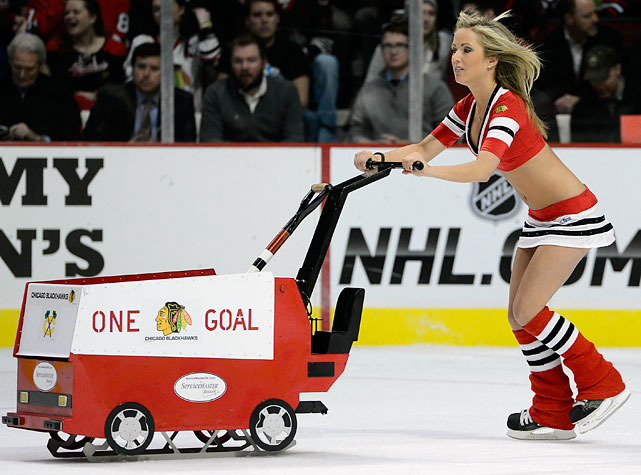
(50, 323)
(494, 200)
(172, 318)
(500, 108)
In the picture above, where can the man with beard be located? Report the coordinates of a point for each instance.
(131, 111)
(248, 106)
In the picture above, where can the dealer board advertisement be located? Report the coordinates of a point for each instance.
(94, 211)
(425, 243)
(413, 243)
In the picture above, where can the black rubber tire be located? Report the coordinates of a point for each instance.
(138, 427)
(272, 425)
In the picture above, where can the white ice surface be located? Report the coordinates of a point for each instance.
(395, 410)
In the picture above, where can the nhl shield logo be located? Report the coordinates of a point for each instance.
(494, 200)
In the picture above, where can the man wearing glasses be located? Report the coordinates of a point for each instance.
(380, 113)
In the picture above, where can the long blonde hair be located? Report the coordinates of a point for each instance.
(518, 64)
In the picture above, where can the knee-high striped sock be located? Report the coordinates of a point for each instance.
(595, 377)
(552, 399)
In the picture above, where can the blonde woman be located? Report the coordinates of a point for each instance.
(563, 223)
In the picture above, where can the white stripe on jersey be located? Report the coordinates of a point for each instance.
(501, 135)
(504, 129)
(454, 126)
(505, 122)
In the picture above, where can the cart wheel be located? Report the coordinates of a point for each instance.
(272, 425)
(129, 428)
(204, 435)
(70, 441)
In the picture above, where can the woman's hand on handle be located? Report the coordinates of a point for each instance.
(361, 158)
(409, 167)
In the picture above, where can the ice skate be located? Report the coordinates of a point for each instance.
(522, 426)
(589, 414)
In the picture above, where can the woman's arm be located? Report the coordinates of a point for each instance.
(479, 170)
(423, 151)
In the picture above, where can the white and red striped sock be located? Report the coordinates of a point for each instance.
(552, 399)
(595, 377)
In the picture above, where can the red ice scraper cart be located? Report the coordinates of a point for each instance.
(223, 356)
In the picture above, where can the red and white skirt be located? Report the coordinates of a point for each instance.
(575, 222)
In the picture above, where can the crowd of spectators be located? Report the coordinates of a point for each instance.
(278, 70)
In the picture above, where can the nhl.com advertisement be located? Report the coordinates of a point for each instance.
(426, 243)
(411, 242)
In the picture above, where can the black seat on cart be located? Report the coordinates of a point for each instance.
(346, 325)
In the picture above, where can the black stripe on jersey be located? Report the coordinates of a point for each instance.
(580, 222)
(543, 361)
(475, 148)
(565, 338)
(555, 331)
(567, 232)
(507, 130)
(456, 122)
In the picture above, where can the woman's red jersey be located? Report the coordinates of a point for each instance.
(507, 130)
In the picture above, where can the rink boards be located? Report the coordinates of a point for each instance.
(434, 257)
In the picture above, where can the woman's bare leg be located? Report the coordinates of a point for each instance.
(546, 272)
(521, 260)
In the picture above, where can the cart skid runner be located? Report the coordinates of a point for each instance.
(237, 444)
(222, 358)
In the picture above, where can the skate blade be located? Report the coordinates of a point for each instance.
(605, 410)
(542, 433)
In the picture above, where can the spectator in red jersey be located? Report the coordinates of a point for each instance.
(46, 19)
(43, 18)
(195, 56)
(85, 58)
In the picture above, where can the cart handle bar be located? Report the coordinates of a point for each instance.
(371, 164)
(318, 192)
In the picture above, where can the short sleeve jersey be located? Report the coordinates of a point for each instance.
(506, 130)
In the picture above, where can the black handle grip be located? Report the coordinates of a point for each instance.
(371, 164)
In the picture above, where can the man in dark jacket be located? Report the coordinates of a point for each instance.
(32, 106)
(563, 51)
(248, 106)
(131, 111)
(597, 115)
